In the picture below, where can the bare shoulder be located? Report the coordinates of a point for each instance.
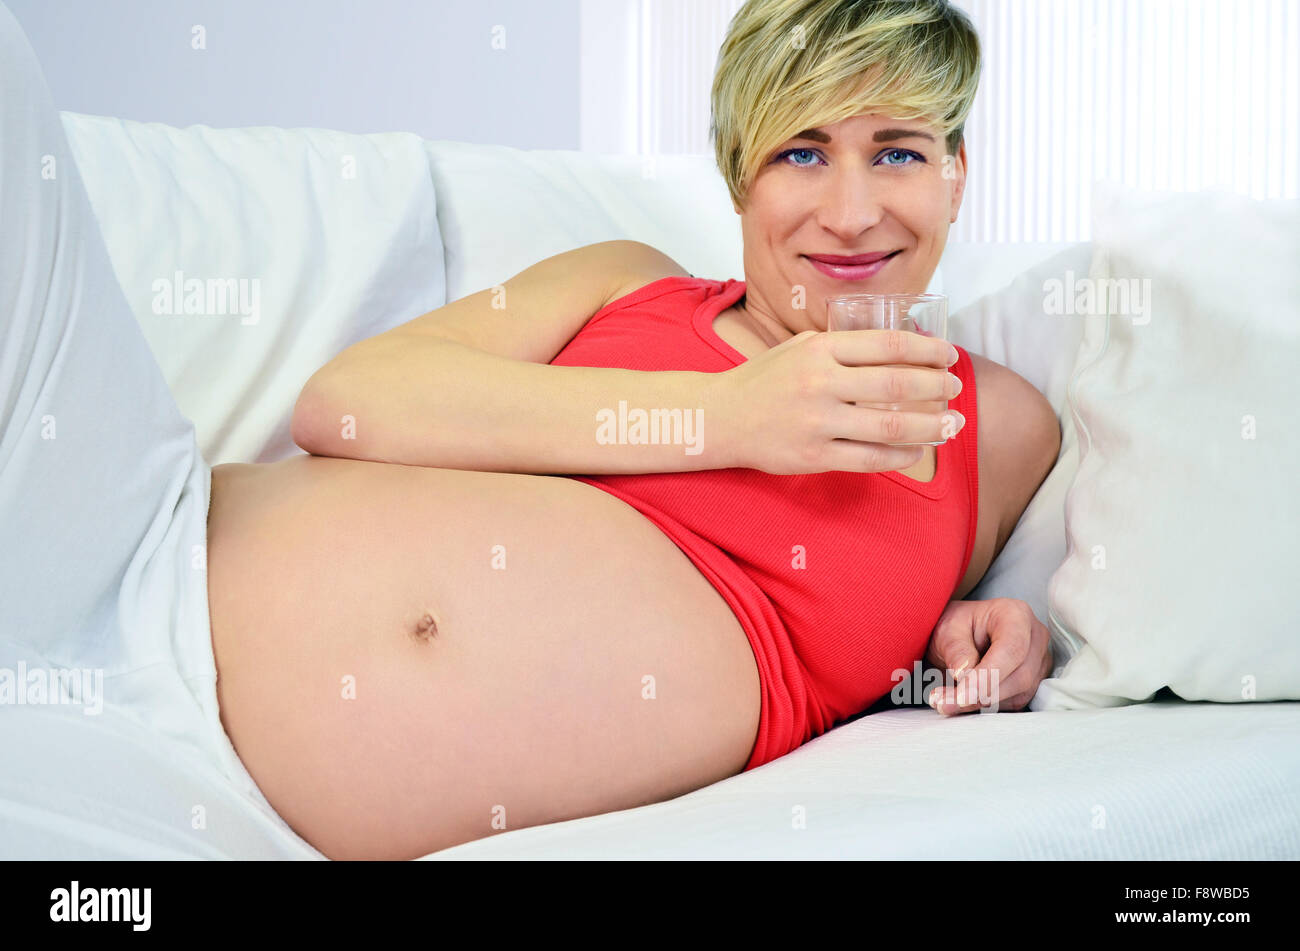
(1019, 440)
(548, 302)
(639, 264)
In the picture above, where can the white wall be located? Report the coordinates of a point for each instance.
(608, 75)
(423, 66)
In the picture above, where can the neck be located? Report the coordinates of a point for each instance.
(766, 326)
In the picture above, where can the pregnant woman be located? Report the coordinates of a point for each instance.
(487, 598)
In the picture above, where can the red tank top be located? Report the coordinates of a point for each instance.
(838, 577)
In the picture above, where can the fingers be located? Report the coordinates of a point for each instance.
(871, 424)
(954, 649)
(893, 383)
(978, 689)
(1018, 687)
(931, 407)
(1007, 623)
(857, 348)
(953, 640)
(1007, 677)
(846, 455)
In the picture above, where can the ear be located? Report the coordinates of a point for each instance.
(958, 166)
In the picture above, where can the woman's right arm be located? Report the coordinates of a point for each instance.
(470, 386)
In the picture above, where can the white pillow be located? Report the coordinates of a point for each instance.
(1014, 327)
(975, 269)
(339, 232)
(1181, 521)
(1018, 327)
(502, 210)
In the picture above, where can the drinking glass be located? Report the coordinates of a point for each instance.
(925, 314)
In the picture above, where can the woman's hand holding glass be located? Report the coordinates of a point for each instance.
(922, 314)
(814, 402)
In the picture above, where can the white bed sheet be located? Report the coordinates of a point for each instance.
(1166, 780)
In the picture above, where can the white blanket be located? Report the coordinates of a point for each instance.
(1163, 780)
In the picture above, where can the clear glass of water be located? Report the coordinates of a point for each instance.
(925, 314)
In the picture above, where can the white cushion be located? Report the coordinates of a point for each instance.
(1012, 327)
(973, 269)
(1182, 517)
(339, 231)
(503, 209)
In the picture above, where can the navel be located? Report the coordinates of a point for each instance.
(426, 628)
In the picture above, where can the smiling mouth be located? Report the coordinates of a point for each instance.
(852, 272)
(859, 260)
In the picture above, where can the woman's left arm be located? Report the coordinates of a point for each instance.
(996, 651)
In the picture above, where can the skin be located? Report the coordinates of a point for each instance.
(376, 734)
(395, 689)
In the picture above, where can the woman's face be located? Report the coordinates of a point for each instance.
(865, 185)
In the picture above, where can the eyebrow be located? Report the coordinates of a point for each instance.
(882, 135)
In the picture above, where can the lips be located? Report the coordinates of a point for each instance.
(841, 261)
(856, 268)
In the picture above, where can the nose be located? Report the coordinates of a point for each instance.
(850, 203)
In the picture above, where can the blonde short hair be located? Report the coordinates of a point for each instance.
(790, 65)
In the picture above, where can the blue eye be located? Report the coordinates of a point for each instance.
(795, 152)
(904, 153)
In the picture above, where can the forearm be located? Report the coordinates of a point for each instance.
(428, 401)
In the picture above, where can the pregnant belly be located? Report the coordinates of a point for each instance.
(410, 658)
